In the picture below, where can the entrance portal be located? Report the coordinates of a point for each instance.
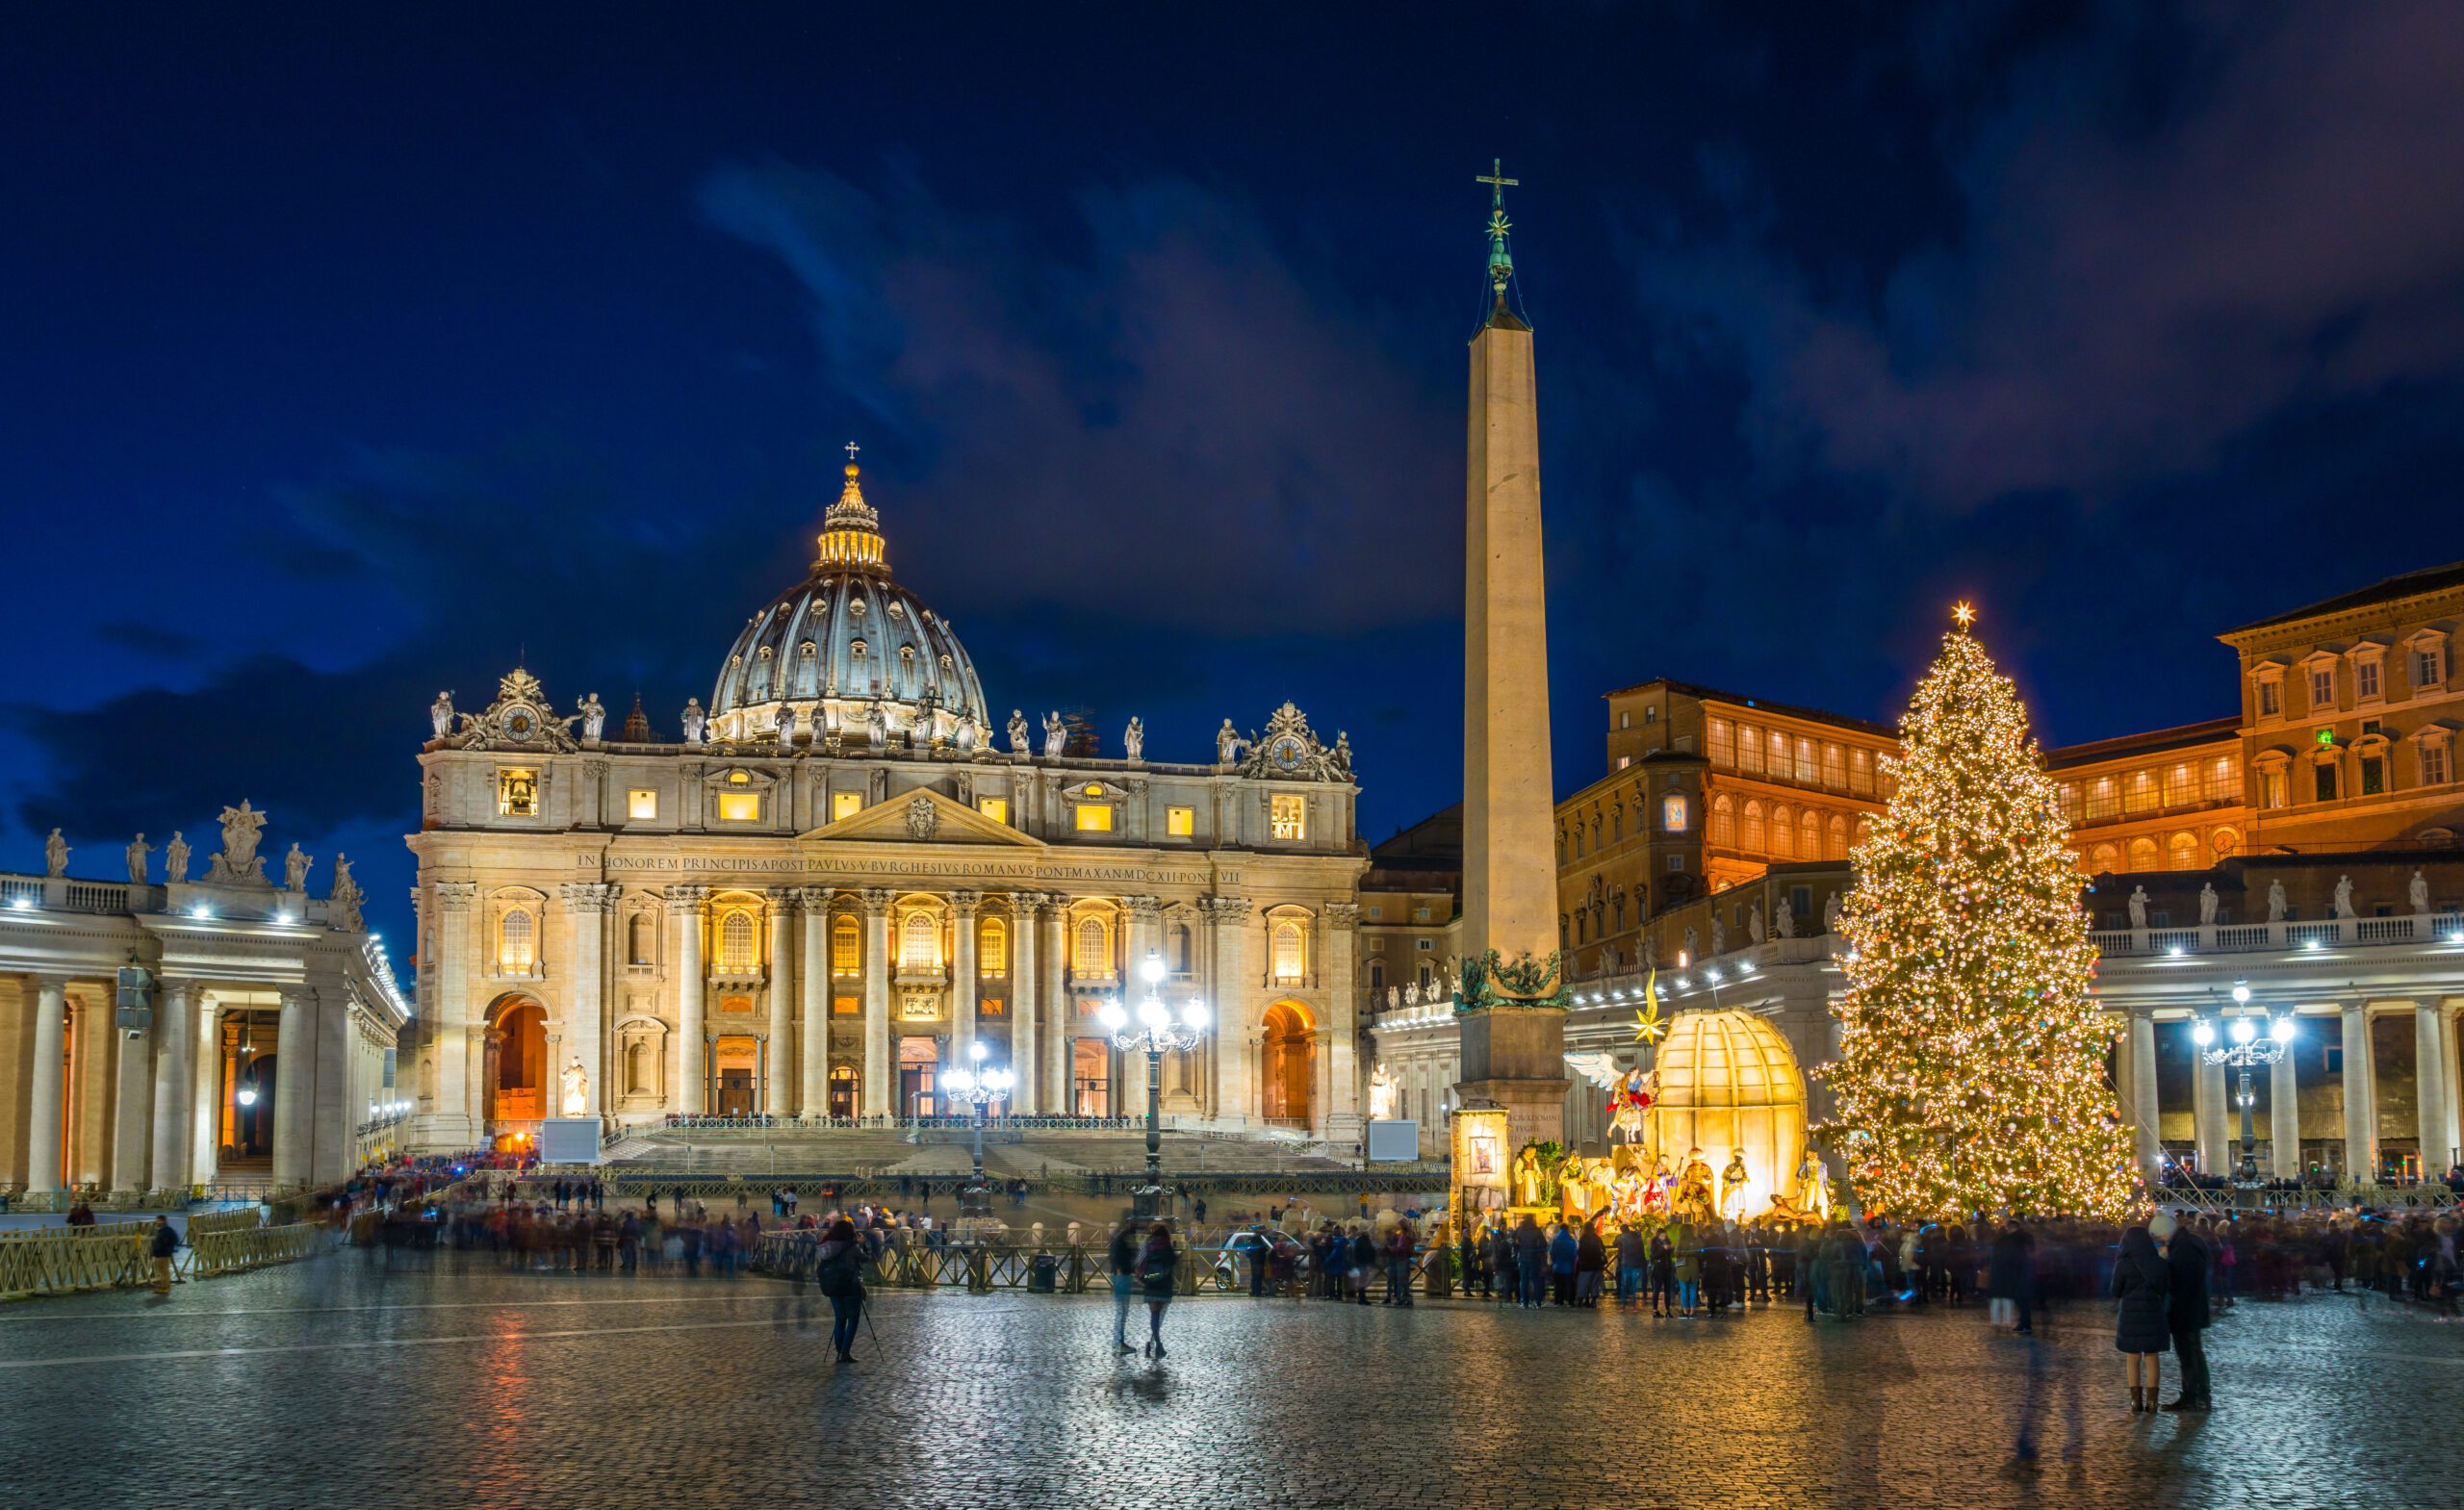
(920, 1063)
(734, 1061)
(518, 1092)
(1290, 1052)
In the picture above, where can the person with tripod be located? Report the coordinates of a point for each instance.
(838, 1268)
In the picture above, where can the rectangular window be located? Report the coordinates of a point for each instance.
(997, 808)
(518, 794)
(1834, 767)
(846, 1006)
(1861, 771)
(2270, 700)
(2374, 776)
(2365, 678)
(1420, 915)
(1377, 945)
(844, 949)
(1778, 755)
(2327, 784)
(1626, 718)
(2271, 788)
(1291, 816)
(1723, 743)
(1095, 818)
(1749, 748)
(1623, 761)
(1676, 862)
(2180, 790)
(1377, 914)
(1805, 761)
(2322, 689)
(2429, 668)
(2104, 798)
(2224, 780)
(1425, 945)
(739, 807)
(845, 804)
(2068, 793)
(1180, 823)
(2434, 766)
(641, 802)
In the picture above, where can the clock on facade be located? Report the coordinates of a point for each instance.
(518, 722)
(1287, 753)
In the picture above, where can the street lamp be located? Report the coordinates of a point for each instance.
(1158, 1033)
(980, 1086)
(2246, 1049)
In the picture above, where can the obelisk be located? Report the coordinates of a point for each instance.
(1512, 992)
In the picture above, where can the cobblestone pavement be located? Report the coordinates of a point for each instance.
(332, 1382)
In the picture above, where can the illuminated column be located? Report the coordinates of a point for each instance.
(1033, 1088)
(1054, 990)
(964, 980)
(587, 903)
(778, 1067)
(2430, 1089)
(2208, 1102)
(2284, 1115)
(44, 1109)
(877, 1066)
(1237, 1027)
(205, 1094)
(2451, 1098)
(2143, 1089)
(175, 1079)
(1343, 1076)
(2361, 1096)
(458, 1104)
(132, 1104)
(812, 975)
(295, 1081)
(693, 1048)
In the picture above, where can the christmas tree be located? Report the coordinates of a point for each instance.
(1971, 1069)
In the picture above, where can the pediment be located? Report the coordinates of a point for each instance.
(900, 821)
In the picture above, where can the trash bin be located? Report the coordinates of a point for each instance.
(1042, 1273)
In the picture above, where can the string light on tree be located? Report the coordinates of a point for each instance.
(1971, 1069)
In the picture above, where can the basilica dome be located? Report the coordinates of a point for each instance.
(847, 642)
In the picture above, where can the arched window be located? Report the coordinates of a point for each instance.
(1286, 950)
(1093, 956)
(1809, 836)
(517, 943)
(1838, 845)
(1784, 838)
(1864, 826)
(993, 949)
(919, 943)
(637, 939)
(2181, 852)
(1672, 812)
(1723, 823)
(2225, 842)
(2104, 861)
(2143, 853)
(846, 952)
(1755, 841)
(735, 944)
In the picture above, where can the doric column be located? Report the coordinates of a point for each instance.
(778, 1064)
(2208, 1102)
(814, 977)
(878, 1093)
(962, 974)
(587, 903)
(295, 1082)
(2451, 1099)
(693, 1047)
(459, 1098)
(2143, 1109)
(1025, 1042)
(2284, 1115)
(46, 1109)
(1237, 1024)
(2361, 1096)
(2430, 1090)
(132, 1102)
(174, 1081)
(1054, 990)
(1343, 1075)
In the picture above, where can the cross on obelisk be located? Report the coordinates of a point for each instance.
(1498, 184)
(1500, 261)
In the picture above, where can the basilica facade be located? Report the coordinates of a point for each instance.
(843, 878)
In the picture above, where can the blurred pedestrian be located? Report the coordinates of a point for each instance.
(2186, 1310)
(1159, 1264)
(1124, 1274)
(2142, 1280)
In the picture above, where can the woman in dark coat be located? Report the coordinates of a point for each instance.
(2142, 1281)
(1159, 1265)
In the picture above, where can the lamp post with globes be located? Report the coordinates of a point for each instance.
(980, 1086)
(1157, 1032)
(2246, 1049)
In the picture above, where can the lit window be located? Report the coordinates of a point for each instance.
(919, 943)
(1778, 755)
(518, 794)
(845, 804)
(993, 949)
(1290, 817)
(738, 779)
(641, 802)
(2225, 780)
(1754, 838)
(2138, 793)
(844, 947)
(2068, 797)
(1180, 823)
(2181, 852)
(1672, 812)
(1749, 748)
(997, 808)
(517, 943)
(1804, 760)
(1723, 743)
(1784, 838)
(845, 1007)
(2180, 791)
(1092, 958)
(2322, 688)
(1287, 951)
(739, 807)
(1095, 791)
(1834, 767)
(1094, 817)
(1723, 822)
(1860, 770)
(735, 944)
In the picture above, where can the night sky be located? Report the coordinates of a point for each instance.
(348, 353)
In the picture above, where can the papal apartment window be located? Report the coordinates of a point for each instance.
(1651, 713)
(2430, 667)
(1723, 743)
(2322, 688)
(2272, 789)
(2365, 678)
(2374, 776)
(2434, 766)
(2325, 783)
(2270, 700)
(1625, 719)
(641, 802)
(518, 794)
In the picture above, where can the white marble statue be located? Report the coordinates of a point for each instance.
(175, 858)
(1693, 946)
(240, 826)
(786, 728)
(1133, 741)
(577, 1090)
(2207, 904)
(1228, 744)
(294, 870)
(2418, 891)
(1754, 923)
(695, 721)
(2275, 901)
(136, 853)
(341, 907)
(965, 737)
(593, 716)
(2344, 896)
(1784, 919)
(2138, 907)
(1056, 736)
(1019, 742)
(1441, 989)
(55, 855)
(1411, 993)
(1830, 913)
(1719, 937)
(440, 714)
(877, 727)
(1381, 1096)
(1393, 998)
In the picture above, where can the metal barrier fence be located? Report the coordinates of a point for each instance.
(59, 1260)
(218, 1253)
(1072, 1270)
(871, 1185)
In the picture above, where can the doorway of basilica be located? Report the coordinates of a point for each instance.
(518, 1046)
(1288, 1051)
(919, 1065)
(735, 1060)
